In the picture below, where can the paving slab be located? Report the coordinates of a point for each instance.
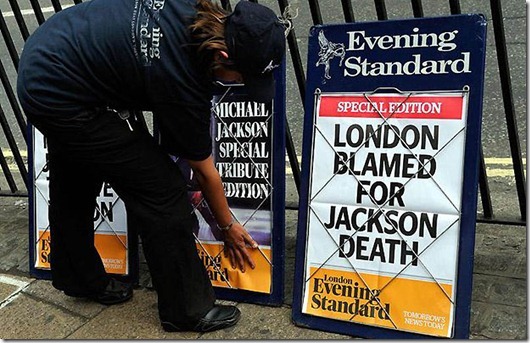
(268, 323)
(135, 319)
(508, 291)
(14, 235)
(500, 251)
(494, 262)
(498, 321)
(44, 290)
(29, 318)
(11, 285)
(507, 322)
(499, 290)
(480, 318)
(291, 223)
(507, 239)
(6, 290)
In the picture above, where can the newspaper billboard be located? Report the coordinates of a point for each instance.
(388, 203)
(114, 245)
(249, 153)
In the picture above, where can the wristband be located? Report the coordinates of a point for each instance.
(226, 228)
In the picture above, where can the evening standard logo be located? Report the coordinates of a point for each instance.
(361, 42)
(344, 295)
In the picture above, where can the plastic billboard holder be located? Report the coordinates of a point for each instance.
(117, 248)
(249, 153)
(389, 177)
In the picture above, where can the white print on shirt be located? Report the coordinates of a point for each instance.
(146, 33)
(270, 67)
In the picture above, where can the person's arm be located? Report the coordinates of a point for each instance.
(236, 238)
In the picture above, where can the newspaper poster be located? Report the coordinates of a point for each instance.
(388, 200)
(110, 220)
(242, 134)
(390, 250)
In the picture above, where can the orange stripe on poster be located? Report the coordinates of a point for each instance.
(113, 252)
(408, 305)
(220, 271)
(42, 259)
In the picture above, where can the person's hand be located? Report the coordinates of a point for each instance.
(237, 242)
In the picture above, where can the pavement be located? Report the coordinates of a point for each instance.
(31, 308)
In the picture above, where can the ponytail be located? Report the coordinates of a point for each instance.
(208, 30)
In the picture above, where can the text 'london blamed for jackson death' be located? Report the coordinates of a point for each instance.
(379, 164)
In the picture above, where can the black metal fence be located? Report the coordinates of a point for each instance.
(14, 179)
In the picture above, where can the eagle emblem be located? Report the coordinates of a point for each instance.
(329, 50)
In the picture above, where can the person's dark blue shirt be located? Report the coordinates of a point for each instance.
(126, 54)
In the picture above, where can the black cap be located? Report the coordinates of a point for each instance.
(256, 43)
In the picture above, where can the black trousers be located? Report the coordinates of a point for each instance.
(100, 147)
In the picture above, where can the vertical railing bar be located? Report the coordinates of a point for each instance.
(485, 193)
(316, 14)
(56, 6)
(454, 5)
(417, 9)
(300, 79)
(380, 8)
(13, 146)
(347, 9)
(12, 100)
(9, 41)
(293, 158)
(506, 87)
(20, 19)
(37, 10)
(295, 56)
(7, 173)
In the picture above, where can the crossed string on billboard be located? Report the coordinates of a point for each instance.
(380, 209)
(212, 259)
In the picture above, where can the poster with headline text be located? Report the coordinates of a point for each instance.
(385, 189)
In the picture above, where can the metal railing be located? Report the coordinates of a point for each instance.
(12, 120)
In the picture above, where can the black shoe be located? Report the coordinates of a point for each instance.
(219, 317)
(116, 292)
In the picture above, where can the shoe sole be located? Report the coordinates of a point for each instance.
(113, 302)
(223, 324)
(169, 327)
(103, 302)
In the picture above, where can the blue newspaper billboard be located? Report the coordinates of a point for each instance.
(248, 143)
(389, 177)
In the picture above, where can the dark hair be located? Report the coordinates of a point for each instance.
(208, 30)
